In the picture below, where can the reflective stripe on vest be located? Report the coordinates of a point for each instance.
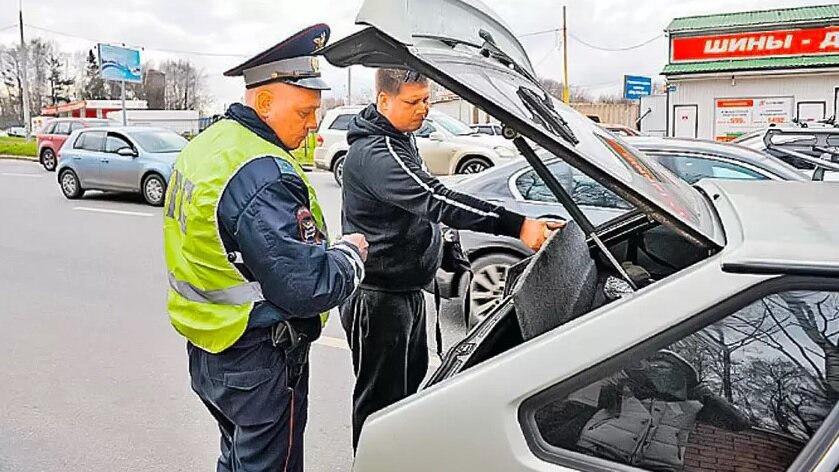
(237, 295)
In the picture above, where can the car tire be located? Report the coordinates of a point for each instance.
(338, 170)
(154, 190)
(70, 185)
(486, 287)
(49, 160)
(473, 165)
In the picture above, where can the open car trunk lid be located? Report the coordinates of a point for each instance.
(447, 40)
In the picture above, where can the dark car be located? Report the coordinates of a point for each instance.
(517, 187)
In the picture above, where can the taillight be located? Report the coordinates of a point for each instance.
(320, 140)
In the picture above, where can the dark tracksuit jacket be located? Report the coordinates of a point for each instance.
(257, 392)
(389, 197)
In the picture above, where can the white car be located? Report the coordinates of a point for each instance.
(447, 146)
(16, 131)
(696, 332)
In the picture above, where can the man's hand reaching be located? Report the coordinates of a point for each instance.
(359, 241)
(534, 233)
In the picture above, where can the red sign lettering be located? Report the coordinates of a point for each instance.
(803, 42)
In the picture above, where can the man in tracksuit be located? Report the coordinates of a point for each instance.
(389, 197)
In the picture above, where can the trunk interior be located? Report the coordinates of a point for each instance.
(568, 278)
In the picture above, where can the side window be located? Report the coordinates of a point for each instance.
(425, 131)
(341, 123)
(48, 129)
(116, 142)
(692, 169)
(62, 127)
(75, 126)
(90, 141)
(746, 393)
(583, 189)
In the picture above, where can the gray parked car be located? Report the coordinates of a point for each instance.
(130, 159)
(516, 186)
(698, 329)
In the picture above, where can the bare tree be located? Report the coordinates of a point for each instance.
(184, 86)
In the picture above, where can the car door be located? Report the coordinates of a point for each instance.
(60, 133)
(84, 156)
(436, 152)
(119, 172)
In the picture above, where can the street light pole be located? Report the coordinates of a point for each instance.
(24, 79)
(565, 89)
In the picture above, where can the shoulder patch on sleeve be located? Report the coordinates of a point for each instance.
(284, 166)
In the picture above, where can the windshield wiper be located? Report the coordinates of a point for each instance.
(490, 49)
(543, 108)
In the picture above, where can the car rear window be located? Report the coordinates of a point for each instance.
(342, 122)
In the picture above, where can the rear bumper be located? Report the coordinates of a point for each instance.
(322, 159)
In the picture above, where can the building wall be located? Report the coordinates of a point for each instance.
(713, 449)
(611, 113)
(703, 93)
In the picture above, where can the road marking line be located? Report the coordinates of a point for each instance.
(113, 212)
(14, 174)
(339, 343)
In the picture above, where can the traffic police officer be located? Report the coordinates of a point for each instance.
(250, 272)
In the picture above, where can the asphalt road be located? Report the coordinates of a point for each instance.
(92, 376)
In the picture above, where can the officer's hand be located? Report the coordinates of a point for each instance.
(359, 241)
(534, 233)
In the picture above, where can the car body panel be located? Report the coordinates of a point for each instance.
(507, 380)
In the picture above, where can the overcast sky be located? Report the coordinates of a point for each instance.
(244, 27)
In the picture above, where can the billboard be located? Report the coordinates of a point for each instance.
(799, 42)
(738, 116)
(118, 63)
(635, 87)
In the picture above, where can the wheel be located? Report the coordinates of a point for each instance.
(487, 285)
(338, 170)
(473, 165)
(70, 185)
(154, 190)
(48, 159)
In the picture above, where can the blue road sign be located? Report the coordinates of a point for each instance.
(118, 63)
(635, 87)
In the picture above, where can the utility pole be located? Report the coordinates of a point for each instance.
(566, 92)
(349, 85)
(27, 118)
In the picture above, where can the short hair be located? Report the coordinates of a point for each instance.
(390, 81)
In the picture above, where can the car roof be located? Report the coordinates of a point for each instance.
(126, 129)
(731, 151)
(784, 227)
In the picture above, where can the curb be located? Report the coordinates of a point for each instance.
(18, 158)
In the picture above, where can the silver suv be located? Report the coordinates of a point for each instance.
(447, 146)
